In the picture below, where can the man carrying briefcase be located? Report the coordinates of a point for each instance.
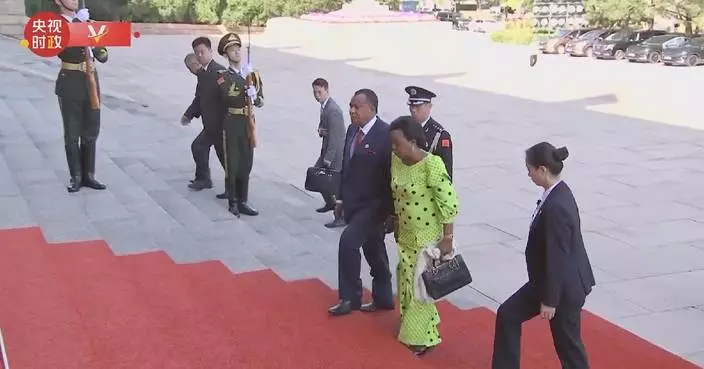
(332, 131)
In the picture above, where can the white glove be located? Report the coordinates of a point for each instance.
(252, 92)
(83, 15)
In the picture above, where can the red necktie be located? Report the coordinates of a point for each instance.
(358, 137)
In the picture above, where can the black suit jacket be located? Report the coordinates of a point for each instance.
(558, 265)
(208, 101)
(366, 176)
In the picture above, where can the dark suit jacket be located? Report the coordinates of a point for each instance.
(444, 146)
(333, 145)
(366, 176)
(208, 101)
(558, 265)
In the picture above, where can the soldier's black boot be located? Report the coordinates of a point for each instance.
(233, 208)
(74, 168)
(242, 188)
(88, 159)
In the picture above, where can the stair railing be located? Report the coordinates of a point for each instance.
(5, 363)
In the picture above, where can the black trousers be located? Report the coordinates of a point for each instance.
(565, 326)
(81, 129)
(364, 232)
(200, 148)
(239, 157)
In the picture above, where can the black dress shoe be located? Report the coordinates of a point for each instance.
(325, 208)
(372, 307)
(245, 209)
(90, 182)
(420, 351)
(200, 185)
(336, 223)
(343, 307)
(74, 185)
(222, 196)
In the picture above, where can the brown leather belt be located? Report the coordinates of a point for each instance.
(238, 111)
(81, 67)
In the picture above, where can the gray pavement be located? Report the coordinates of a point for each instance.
(638, 182)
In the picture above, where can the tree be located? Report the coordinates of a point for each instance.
(686, 11)
(618, 13)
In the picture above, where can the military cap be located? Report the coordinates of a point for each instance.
(418, 95)
(228, 40)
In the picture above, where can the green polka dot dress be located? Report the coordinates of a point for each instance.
(424, 200)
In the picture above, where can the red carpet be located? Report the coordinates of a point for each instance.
(78, 306)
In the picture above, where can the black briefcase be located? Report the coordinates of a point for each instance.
(323, 180)
(446, 277)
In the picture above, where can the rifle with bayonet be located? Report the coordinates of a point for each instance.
(251, 124)
(90, 74)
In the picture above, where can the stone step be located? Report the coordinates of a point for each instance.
(12, 30)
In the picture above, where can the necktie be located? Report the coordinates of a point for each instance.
(358, 137)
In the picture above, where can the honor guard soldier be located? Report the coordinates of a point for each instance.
(239, 133)
(78, 92)
(439, 141)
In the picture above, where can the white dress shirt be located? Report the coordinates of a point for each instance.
(540, 202)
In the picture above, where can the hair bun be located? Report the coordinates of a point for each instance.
(560, 154)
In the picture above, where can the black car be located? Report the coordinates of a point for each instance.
(614, 46)
(649, 50)
(684, 52)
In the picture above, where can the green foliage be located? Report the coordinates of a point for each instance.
(687, 11)
(622, 13)
(208, 11)
(517, 33)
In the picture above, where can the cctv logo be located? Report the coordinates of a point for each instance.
(106, 34)
(96, 36)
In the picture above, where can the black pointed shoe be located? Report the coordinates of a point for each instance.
(343, 307)
(245, 209)
(372, 307)
(90, 182)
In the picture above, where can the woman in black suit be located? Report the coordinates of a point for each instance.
(559, 273)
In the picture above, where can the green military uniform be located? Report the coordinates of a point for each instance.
(239, 150)
(81, 122)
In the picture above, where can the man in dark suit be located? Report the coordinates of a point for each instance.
(332, 130)
(365, 203)
(559, 273)
(209, 104)
(438, 140)
(81, 122)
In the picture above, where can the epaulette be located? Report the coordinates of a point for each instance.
(437, 126)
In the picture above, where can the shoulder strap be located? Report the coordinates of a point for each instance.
(436, 139)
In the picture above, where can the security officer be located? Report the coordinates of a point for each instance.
(81, 122)
(438, 139)
(238, 134)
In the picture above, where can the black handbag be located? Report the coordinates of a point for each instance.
(445, 277)
(323, 180)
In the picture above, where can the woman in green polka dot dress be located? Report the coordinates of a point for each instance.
(425, 206)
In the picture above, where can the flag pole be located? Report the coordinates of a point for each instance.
(5, 362)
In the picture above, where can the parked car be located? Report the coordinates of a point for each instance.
(649, 50)
(557, 41)
(583, 45)
(614, 46)
(687, 52)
